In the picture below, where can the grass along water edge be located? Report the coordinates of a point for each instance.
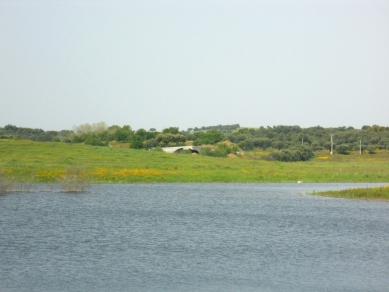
(375, 193)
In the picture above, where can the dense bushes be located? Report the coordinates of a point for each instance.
(300, 153)
(211, 137)
(343, 149)
(170, 139)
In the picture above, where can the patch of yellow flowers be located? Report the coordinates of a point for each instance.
(49, 174)
(323, 157)
(123, 173)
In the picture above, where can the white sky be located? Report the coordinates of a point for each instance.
(194, 63)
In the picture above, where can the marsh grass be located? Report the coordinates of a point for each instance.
(23, 184)
(74, 180)
(46, 163)
(5, 184)
(376, 193)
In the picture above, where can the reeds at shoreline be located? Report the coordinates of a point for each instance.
(375, 193)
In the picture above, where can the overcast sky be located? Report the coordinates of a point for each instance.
(194, 63)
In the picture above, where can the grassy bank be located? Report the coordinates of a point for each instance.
(24, 160)
(377, 193)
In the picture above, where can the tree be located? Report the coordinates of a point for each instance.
(93, 140)
(136, 142)
(343, 149)
(171, 130)
(264, 143)
(77, 139)
(123, 134)
(211, 137)
(152, 130)
(151, 143)
(384, 143)
(316, 146)
(170, 139)
(141, 133)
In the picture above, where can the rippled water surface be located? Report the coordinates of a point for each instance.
(193, 237)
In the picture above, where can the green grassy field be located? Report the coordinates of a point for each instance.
(377, 193)
(23, 160)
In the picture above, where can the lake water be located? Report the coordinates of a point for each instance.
(193, 237)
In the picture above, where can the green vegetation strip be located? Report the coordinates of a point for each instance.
(46, 162)
(377, 193)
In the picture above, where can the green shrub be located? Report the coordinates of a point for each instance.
(300, 153)
(211, 137)
(343, 149)
(136, 142)
(93, 140)
(371, 149)
(316, 146)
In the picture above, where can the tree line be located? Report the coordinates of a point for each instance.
(287, 143)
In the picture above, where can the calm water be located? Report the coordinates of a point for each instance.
(193, 237)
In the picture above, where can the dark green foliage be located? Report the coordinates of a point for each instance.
(171, 130)
(237, 137)
(383, 143)
(124, 134)
(137, 142)
(278, 145)
(316, 146)
(28, 133)
(92, 139)
(264, 143)
(371, 149)
(343, 149)
(170, 139)
(151, 143)
(211, 137)
(106, 136)
(77, 139)
(299, 153)
(220, 128)
(192, 136)
(285, 137)
(246, 145)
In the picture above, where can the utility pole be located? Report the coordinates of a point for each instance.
(360, 147)
(332, 149)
